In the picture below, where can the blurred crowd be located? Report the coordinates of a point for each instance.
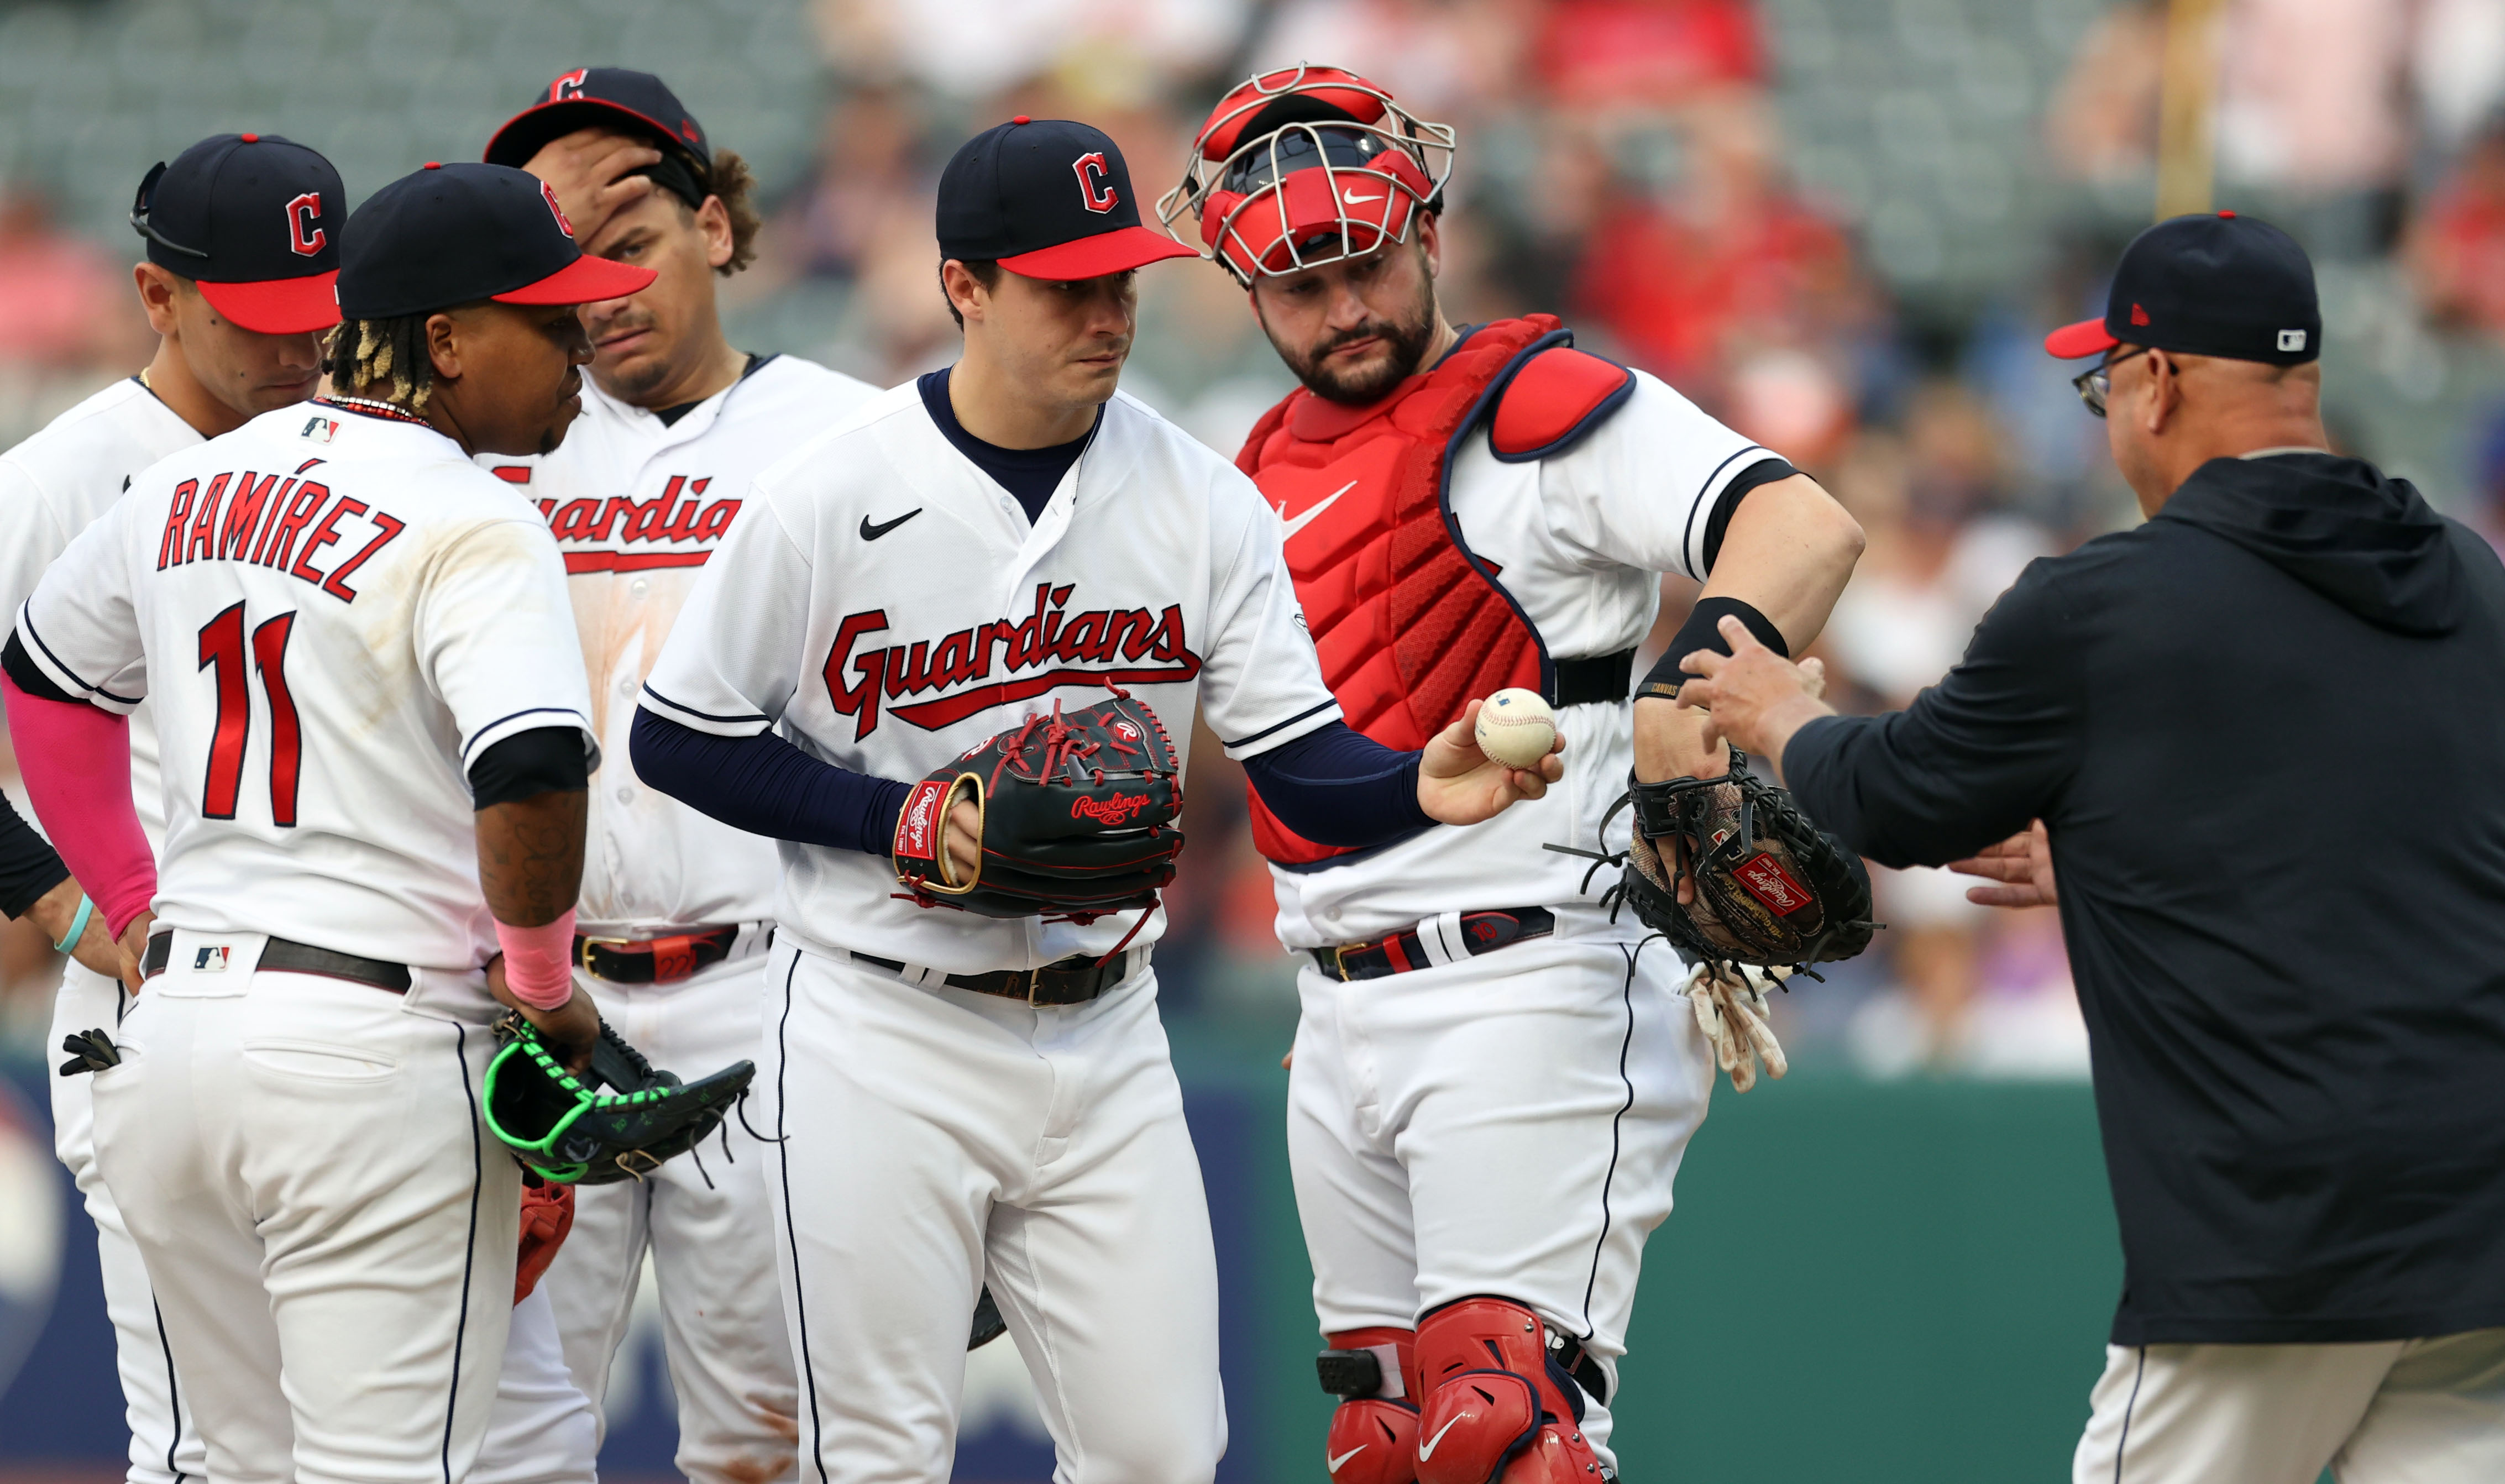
(1623, 163)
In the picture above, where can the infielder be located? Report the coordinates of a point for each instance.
(242, 245)
(1493, 1083)
(958, 1096)
(363, 674)
(677, 908)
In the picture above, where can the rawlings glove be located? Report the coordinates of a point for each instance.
(1731, 1011)
(1771, 889)
(1079, 817)
(566, 1130)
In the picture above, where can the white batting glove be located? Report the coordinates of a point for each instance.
(1733, 1016)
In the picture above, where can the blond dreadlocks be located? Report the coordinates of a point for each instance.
(364, 355)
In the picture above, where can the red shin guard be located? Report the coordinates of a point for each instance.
(1494, 1409)
(1374, 1436)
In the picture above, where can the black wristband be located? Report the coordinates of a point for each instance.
(545, 759)
(1703, 631)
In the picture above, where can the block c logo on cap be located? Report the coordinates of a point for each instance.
(2291, 339)
(303, 238)
(1095, 182)
(567, 87)
(547, 194)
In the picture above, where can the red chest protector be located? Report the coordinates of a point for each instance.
(1410, 625)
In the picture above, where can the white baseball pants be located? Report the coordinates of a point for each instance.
(542, 1431)
(329, 1227)
(2390, 1412)
(1504, 1125)
(934, 1138)
(704, 1220)
(164, 1446)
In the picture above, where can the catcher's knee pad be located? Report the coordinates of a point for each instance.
(1494, 1408)
(1374, 1436)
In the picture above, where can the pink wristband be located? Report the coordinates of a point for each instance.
(539, 962)
(76, 760)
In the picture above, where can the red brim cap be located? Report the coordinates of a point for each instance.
(587, 280)
(1119, 251)
(278, 305)
(2087, 337)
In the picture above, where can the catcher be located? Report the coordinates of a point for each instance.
(1012, 587)
(1493, 1077)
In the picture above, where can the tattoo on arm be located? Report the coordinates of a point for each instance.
(529, 856)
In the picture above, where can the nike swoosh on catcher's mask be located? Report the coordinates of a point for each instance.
(1427, 1452)
(1355, 199)
(1334, 1464)
(1305, 517)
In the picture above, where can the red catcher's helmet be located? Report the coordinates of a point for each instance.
(1307, 165)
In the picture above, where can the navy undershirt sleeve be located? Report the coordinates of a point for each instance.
(1336, 786)
(29, 866)
(765, 785)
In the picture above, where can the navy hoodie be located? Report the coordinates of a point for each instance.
(2267, 732)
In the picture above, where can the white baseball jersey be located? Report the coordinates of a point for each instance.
(332, 615)
(54, 485)
(637, 506)
(885, 606)
(1579, 540)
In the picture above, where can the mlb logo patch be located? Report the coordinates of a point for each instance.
(211, 960)
(2291, 339)
(319, 429)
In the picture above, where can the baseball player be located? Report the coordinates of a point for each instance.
(242, 244)
(364, 676)
(677, 908)
(958, 1097)
(1468, 507)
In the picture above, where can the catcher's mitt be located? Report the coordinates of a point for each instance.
(1772, 888)
(1079, 817)
(565, 1129)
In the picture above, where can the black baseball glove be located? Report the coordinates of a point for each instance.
(1772, 888)
(1079, 817)
(568, 1130)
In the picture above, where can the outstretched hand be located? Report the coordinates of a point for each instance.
(2022, 862)
(1754, 698)
(1460, 785)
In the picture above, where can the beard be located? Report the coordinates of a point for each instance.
(633, 384)
(1405, 337)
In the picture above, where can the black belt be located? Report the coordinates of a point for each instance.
(1070, 981)
(653, 960)
(1601, 678)
(1403, 951)
(286, 956)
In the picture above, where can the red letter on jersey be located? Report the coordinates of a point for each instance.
(170, 550)
(861, 700)
(222, 646)
(336, 583)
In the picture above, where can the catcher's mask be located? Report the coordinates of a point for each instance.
(565, 1130)
(1304, 166)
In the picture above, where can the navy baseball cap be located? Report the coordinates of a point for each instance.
(2208, 285)
(1046, 198)
(254, 220)
(618, 98)
(454, 234)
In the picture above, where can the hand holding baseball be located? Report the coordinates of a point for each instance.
(1460, 784)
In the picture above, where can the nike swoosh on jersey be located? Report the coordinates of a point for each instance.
(1427, 1452)
(1355, 199)
(1333, 1464)
(1305, 517)
(870, 532)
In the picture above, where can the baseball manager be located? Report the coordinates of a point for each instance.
(2263, 735)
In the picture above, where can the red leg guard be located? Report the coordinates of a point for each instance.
(1493, 1411)
(1373, 1439)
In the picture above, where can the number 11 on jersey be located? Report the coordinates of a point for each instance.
(222, 644)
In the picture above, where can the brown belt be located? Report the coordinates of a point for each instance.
(1403, 951)
(653, 960)
(282, 955)
(1072, 981)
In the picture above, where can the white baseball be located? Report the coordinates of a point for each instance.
(1516, 727)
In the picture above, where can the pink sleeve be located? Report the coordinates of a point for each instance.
(539, 962)
(76, 759)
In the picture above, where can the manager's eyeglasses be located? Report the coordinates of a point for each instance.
(2096, 383)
